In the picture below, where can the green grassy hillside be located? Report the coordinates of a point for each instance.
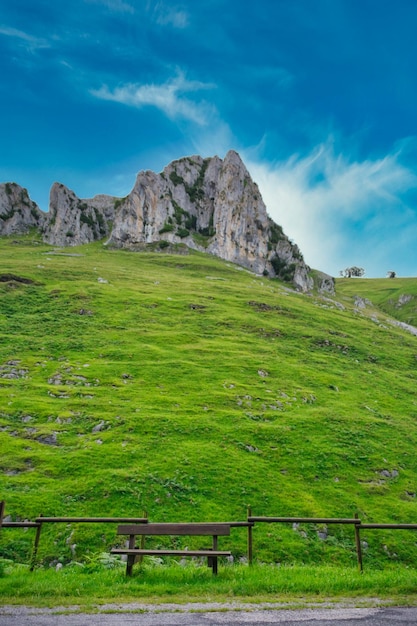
(397, 297)
(188, 387)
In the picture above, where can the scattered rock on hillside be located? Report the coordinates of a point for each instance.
(322, 533)
(49, 440)
(389, 474)
(11, 370)
(403, 299)
(263, 373)
(98, 427)
(407, 327)
(362, 303)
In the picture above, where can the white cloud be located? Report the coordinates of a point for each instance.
(31, 42)
(167, 97)
(177, 19)
(118, 6)
(341, 212)
(165, 15)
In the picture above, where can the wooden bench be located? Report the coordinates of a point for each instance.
(158, 530)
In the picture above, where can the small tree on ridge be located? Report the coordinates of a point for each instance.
(349, 272)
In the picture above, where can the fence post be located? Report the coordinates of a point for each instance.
(2, 507)
(358, 544)
(250, 538)
(35, 546)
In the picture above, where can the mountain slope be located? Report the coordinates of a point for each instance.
(189, 387)
(395, 297)
(211, 205)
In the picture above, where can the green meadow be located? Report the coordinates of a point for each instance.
(187, 387)
(293, 586)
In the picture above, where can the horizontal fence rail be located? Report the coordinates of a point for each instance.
(354, 521)
(92, 520)
(392, 526)
(249, 524)
(306, 520)
(20, 525)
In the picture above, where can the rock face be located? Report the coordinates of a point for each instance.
(73, 221)
(211, 205)
(18, 214)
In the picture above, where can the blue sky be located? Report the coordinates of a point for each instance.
(318, 96)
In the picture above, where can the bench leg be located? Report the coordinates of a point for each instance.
(212, 562)
(214, 558)
(214, 565)
(129, 565)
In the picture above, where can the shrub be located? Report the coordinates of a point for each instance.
(179, 212)
(283, 270)
(191, 222)
(118, 202)
(87, 219)
(196, 191)
(276, 234)
(100, 221)
(166, 228)
(176, 178)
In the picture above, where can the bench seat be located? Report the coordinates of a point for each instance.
(159, 530)
(164, 552)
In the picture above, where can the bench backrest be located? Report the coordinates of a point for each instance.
(173, 529)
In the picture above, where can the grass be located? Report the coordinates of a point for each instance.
(187, 387)
(260, 583)
(397, 297)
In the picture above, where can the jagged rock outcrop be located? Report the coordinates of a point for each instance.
(211, 205)
(18, 214)
(73, 221)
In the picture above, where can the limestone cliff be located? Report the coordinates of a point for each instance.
(18, 214)
(73, 221)
(211, 205)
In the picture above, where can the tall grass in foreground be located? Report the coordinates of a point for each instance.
(192, 583)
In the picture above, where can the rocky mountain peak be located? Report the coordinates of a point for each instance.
(208, 204)
(18, 214)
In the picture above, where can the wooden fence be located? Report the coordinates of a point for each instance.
(249, 524)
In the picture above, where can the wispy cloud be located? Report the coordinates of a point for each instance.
(118, 6)
(168, 97)
(340, 212)
(29, 41)
(165, 15)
